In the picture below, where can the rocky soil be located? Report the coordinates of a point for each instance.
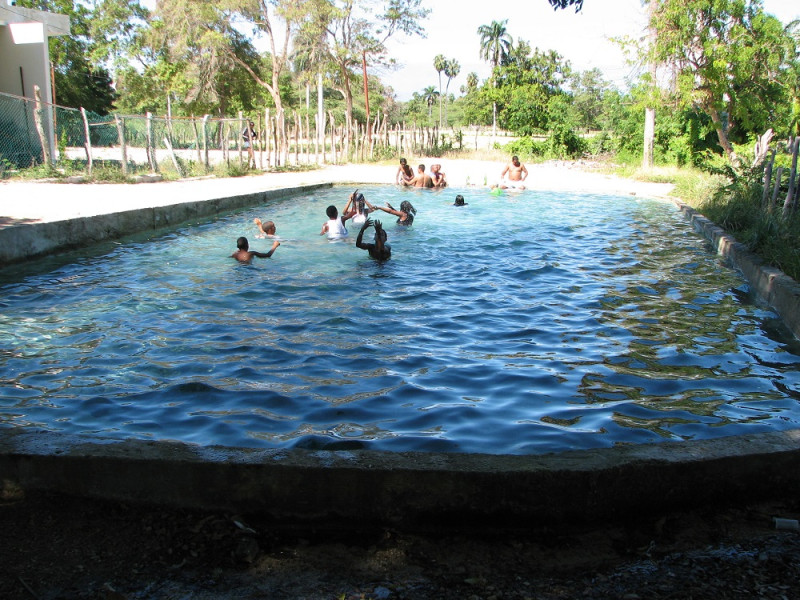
(55, 547)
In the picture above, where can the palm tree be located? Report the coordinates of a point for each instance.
(451, 70)
(429, 94)
(496, 46)
(440, 64)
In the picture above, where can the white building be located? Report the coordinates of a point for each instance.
(25, 55)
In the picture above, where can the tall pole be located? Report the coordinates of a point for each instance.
(320, 115)
(650, 113)
(366, 93)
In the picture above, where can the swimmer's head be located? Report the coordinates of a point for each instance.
(360, 202)
(406, 207)
(269, 228)
(332, 212)
(515, 160)
(242, 243)
(460, 200)
(403, 161)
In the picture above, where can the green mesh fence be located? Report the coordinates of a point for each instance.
(19, 141)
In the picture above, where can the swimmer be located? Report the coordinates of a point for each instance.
(439, 178)
(334, 226)
(460, 201)
(422, 179)
(359, 208)
(244, 255)
(380, 250)
(265, 229)
(405, 216)
(514, 175)
(404, 173)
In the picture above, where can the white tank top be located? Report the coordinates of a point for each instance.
(336, 228)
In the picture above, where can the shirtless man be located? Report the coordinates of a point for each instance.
(422, 179)
(244, 255)
(513, 175)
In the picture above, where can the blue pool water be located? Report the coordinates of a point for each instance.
(522, 323)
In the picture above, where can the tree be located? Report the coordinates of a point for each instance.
(451, 70)
(429, 94)
(728, 57)
(496, 45)
(440, 63)
(556, 4)
(358, 28)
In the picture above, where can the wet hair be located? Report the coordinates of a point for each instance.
(242, 243)
(382, 233)
(410, 211)
(360, 203)
(459, 200)
(422, 167)
(515, 158)
(406, 207)
(403, 161)
(332, 212)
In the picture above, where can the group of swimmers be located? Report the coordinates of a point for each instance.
(358, 208)
(406, 177)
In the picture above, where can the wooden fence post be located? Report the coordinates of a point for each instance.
(205, 141)
(151, 150)
(767, 178)
(88, 144)
(121, 133)
(788, 205)
(37, 119)
(776, 188)
(333, 136)
(196, 140)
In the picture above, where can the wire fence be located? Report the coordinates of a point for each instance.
(33, 133)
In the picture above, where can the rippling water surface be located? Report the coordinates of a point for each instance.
(521, 323)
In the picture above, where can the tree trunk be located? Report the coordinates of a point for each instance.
(722, 135)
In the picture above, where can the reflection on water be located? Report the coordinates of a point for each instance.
(521, 323)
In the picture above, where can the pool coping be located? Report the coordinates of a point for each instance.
(417, 490)
(771, 285)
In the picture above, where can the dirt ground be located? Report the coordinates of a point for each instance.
(56, 547)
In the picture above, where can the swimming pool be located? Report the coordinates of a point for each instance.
(522, 323)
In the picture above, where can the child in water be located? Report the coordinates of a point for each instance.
(265, 229)
(405, 216)
(380, 250)
(244, 255)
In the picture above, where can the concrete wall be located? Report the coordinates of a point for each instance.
(31, 240)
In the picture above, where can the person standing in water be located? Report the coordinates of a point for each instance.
(265, 229)
(405, 216)
(380, 250)
(244, 255)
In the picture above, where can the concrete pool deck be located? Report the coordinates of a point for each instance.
(418, 490)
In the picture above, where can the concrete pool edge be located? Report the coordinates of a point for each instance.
(415, 490)
(773, 286)
(38, 238)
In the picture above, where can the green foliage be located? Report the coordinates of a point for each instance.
(732, 63)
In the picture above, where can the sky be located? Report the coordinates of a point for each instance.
(584, 38)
